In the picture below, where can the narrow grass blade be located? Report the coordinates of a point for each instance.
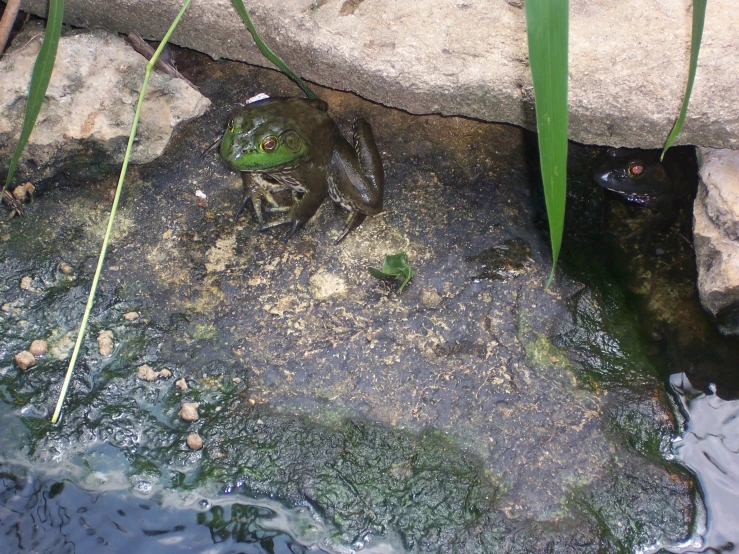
(271, 56)
(114, 209)
(39, 81)
(699, 16)
(547, 29)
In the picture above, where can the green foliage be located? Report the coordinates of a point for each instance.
(547, 28)
(39, 81)
(699, 16)
(271, 56)
(394, 265)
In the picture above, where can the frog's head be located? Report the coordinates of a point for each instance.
(631, 172)
(256, 141)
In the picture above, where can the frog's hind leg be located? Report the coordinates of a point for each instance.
(357, 179)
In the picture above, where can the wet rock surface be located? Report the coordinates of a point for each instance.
(475, 411)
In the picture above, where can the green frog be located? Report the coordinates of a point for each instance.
(293, 144)
(641, 178)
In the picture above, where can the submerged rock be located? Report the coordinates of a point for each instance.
(86, 118)
(716, 236)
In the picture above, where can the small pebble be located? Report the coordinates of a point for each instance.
(165, 374)
(147, 373)
(236, 380)
(105, 343)
(189, 411)
(131, 316)
(25, 359)
(66, 268)
(26, 283)
(21, 192)
(181, 383)
(6, 307)
(194, 441)
(38, 348)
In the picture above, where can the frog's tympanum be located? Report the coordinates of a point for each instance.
(292, 143)
(640, 177)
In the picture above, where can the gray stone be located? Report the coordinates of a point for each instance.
(90, 103)
(715, 234)
(628, 60)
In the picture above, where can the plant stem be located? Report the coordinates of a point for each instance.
(106, 239)
(6, 23)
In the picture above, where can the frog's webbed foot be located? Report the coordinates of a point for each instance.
(355, 220)
(295, 226)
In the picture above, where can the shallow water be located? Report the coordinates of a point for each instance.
(709, 446)
(47, 515)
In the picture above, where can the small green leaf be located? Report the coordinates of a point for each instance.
(394, 265)
(699, 16)
(377, 274)
(40, 77)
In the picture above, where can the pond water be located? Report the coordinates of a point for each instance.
(709, 446)
(475, 412)
(56, 516)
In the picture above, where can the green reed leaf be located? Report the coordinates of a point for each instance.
(40, 77)
(699, 16)
(547, 29)
(268, 53)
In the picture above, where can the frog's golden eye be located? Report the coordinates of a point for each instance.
(269, 144)
(635, 170)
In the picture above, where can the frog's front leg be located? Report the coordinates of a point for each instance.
(357, 179)
(306, 207)
(257, 187)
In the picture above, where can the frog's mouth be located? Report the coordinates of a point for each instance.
(636, 197)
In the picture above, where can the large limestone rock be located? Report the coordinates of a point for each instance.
(628, 59)
(90, 103)
(716, 236)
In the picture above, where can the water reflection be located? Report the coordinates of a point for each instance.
(709, 446)
(53, 516)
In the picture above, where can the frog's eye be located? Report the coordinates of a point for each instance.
(291, 140)
(635, 170)
(269, 144)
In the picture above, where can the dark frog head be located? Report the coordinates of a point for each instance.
(257, 138)
(637, 175)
